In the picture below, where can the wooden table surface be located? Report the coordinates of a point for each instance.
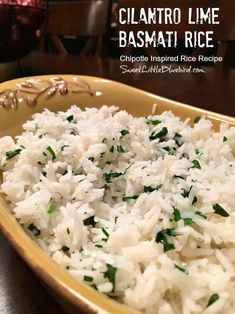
(20, 290)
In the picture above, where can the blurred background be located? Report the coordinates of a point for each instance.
(90, 28)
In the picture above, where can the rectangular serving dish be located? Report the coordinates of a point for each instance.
(21, 98)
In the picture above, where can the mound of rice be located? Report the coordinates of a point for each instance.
(141, 209)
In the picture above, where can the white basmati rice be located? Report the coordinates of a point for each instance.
(139, 208)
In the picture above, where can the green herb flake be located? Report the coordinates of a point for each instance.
(105, 232)
(70, 118)
(160, 135)
(200, 214)
(182, 269)
(90, 221)
(153, 122)
(111, 175)
(220, 211)
(65, 248)
(12, 154)
(129, 198)
(35, 231)
(124, 132)
(99, 246)
(63, 147)
(185, 155)
(161, 237)
(68, 230)
(197, 151)
(110, 274)
(111, 149)
(225, 139)
(91, 159)
(52, 153)
(88, 278)
(120, 149)
(44, 173)
(194, 200)
(186, 193)
(152, 188)
(167, 148)
(196, 164)
(102, 154)
(213, 298)
(188, 221)
(177, 138)
(179, 177)
(197, 119)
(51, 208)
(176, 214)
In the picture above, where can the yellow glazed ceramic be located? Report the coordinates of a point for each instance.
(19, 99)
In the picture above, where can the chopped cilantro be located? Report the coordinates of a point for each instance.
(194, 200)
(110, 274)
(65, 248)
(124, 132)
(51, 208)
(68, 231)
(196, 164)
(70, 118)
(197, 119)
(225, 139)
(185, 155)
(44, 173)
(177, 138)
(152, 188)
(197, 151)
(63, 147)
(162, 237)
(167, 148)
(186, 193)
(188, 221)
(99, 246)
(91, 159)
(176, 214)
(90, 221)
(88, 278)
(12, 154)
(111, 149)
(120, 149)
(178, 177)
(160, 135)
(182, 269)
(106, 234)
(220, 211)
(35, 231)
(213, 298)
(52, 153)
(200, 214)
(111, 175)
(129, 198)
(153, 122)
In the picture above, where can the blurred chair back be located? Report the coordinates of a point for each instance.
(224, 32)
(84, 18)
